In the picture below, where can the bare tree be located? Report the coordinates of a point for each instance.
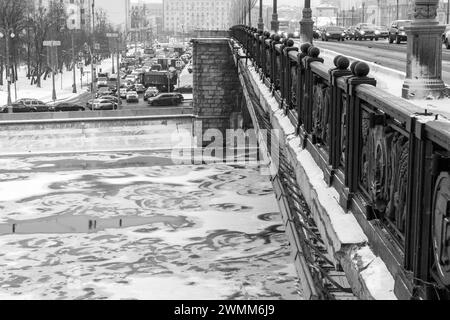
(12, 22)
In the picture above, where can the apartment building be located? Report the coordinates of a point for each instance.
(187, 15)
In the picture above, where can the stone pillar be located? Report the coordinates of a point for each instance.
(217, 90)
(275, 23)
(306, 24)
(260, 20)
(424, 55)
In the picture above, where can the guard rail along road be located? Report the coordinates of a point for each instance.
(388, 159)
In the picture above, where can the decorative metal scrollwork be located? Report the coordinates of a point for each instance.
(293, 89)
(278, 72)
(343, 130)
(441, 228)
(384, 171)
(267, 61)
(321, 105)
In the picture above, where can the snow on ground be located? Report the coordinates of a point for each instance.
(63, 84)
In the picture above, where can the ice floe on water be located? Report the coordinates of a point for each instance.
(137, 232)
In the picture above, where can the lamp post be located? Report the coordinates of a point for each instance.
(8, 34)
(275, 23)
(306, 24)
(448, 11)
(424, 54)
(397, 10)
(261, 20)
(249, 13)
(353, 15)
(363, 12)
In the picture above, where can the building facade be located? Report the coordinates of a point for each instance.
(183, 16)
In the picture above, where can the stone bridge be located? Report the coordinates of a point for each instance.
(363, 181)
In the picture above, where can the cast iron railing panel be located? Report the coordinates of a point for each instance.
(388, 159)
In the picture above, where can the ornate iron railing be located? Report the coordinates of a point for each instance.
(388, 159)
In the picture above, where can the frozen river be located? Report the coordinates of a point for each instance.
(133, 226)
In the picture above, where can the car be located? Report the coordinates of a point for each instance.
(397, 31)
(131, 87)
(123, 93)
(446, 37)
(104, 91)
(132, 96)
(184, 89)
(140, 88)
(166, 99)
(67, 106)
(111, 98)
(17, 108)
(364, 31)
(101, 104)
(332, 32)
(102, 82)
(150, 93)
(350, 33)
(316, 33)
(32, 105)
(131, 79)
(382, 32)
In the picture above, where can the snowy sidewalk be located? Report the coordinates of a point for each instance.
(63, 85)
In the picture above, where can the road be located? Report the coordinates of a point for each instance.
(83, 98)
(381, 52)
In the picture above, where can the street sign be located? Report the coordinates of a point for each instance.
(50, 43)
(97, 46)
(112, 35)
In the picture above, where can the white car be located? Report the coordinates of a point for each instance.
(132, 96)
(446, 37)
(102, 82)
(131, 79)
(123, 93)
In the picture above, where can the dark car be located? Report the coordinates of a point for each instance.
(67, 107)
(397, 31)
(364, 31)
(30, 105)
(17, 108)
(382, 32)
(316, 33)
(335, 33)
(166, 99)
(186, 89)
(139, 88)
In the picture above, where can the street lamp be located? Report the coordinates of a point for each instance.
(306, 24)
(261, 20)
(424, 54)
(275, 22)
(8, 34)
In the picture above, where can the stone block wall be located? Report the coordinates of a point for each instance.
(217, 90)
